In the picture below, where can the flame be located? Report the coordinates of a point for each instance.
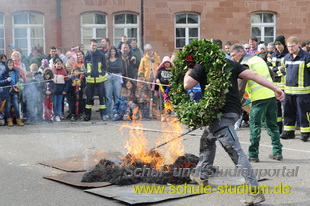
(175, 147)
(138, 150)
(137, 146)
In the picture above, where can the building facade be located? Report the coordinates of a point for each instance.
(165, 24)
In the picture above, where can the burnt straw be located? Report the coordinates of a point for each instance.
(122, 174)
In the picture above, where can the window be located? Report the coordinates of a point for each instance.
(94, 26)
(186, 29)
(28, 30)
(263, 26)
(125, 24)
(2, 47)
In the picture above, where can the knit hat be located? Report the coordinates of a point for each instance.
(261, 46)
(165, 59)
(44, 63)
(147, 47)
(280, 40)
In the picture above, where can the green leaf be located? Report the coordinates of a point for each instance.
(218, 73)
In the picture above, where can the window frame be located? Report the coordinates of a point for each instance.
(126, 27)
(2, 26)
(94, 28)
(263, 25)
(186, 26)
(28, 26)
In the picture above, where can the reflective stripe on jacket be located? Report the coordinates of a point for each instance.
(297, 73)
(95, 65)
(277, 59)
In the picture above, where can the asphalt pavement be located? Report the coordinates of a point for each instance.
(22, 182)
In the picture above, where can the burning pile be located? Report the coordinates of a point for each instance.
(143, 165)
(176, 173)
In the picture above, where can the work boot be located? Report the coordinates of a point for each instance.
(304, 137)
(276, 157)
(287, 135)
(253, 198)
(10, 122)
(19, 122)
(253, 159)
(198, 180)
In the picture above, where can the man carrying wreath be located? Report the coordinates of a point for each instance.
(223, 129)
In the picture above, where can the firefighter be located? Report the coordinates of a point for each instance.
(297, 90)
(276, 65)
(95, 76)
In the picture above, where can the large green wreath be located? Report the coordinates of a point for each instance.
(207, 110)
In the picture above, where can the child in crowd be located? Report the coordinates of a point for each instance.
(123, 40)
(125, 107)
(195, 93)
(80, 61)
(44, 65)
(31, 95)
(142, 94)
(49, 90)
(77, 90)
(12, 92)
(62, 85)
(68, 68)
(162, 77)
(40, 86)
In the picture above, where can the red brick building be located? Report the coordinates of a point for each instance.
(166, 24)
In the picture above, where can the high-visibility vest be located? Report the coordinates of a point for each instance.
(259, 66)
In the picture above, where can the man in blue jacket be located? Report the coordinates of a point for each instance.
(297, 90)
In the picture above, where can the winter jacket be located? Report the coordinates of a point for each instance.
(38, 76)
(3, 82)
(14, 74)
(36, 59)
(61, 80)
(130, 69)
(49, 86)
(95, 64)
(81, 81)
(31, 91)
(147, 63)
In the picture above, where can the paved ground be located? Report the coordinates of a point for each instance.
(21, 148)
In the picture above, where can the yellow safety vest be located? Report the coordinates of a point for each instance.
(255, 90)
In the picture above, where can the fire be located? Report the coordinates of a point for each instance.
(175, 148)
(138, 146)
